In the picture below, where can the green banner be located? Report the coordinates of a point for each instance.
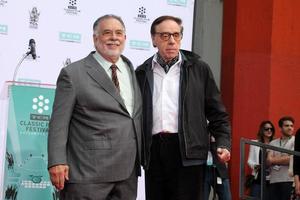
(25, 174)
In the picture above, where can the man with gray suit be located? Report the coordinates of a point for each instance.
(94, 143)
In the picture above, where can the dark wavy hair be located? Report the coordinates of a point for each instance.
(260, 134)
(160, 19)
(285, 118)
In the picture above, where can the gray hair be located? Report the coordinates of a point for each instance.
(108, 16)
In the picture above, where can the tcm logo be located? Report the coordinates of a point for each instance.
(177, 2)
(72, 8)
(141, 16)
(40, 104)
(140, 45)
(3, 29)
(70, 37)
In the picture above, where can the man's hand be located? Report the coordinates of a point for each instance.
(58, 175)
(297, 185)
(223, 154)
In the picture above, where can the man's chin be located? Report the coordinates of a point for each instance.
(171, 55)
(288, 134)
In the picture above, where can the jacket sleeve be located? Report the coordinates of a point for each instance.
(59, 123)
(216, 113)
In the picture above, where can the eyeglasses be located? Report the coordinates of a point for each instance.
(165, 36)
(268, 129)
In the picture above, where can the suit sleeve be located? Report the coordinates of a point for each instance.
(60, 119)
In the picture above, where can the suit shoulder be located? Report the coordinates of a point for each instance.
(73, 70)
(74, 65)
(145, 66)
(194, 60)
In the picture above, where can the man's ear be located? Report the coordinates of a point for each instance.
(153, 41)
(94, 38)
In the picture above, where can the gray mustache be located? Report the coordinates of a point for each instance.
(113, 42)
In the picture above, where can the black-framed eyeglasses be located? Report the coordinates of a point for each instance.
(165, 36)
(268, 129)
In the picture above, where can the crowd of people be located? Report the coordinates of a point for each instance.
(281, 173)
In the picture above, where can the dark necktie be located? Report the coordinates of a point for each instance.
(114, 76)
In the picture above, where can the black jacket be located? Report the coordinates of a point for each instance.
(199, 101)
(296, 166)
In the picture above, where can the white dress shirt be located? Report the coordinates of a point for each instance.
(165, 97)
(124, 77)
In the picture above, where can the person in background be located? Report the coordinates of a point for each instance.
(280, 180)
(216, 175)
(265, 135)
(94, 142)
(296, 164)
(179, 96)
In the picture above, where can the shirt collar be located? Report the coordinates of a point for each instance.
(106, 64)
(155, 63)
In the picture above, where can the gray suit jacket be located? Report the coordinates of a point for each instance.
(90, 128)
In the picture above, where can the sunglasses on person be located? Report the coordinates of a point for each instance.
(268, 129)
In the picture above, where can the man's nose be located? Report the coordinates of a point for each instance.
(171, 39)
(113, 35)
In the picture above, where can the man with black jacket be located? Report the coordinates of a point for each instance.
(179, 96)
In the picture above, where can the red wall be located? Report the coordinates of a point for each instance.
(285, 60)
(260, 66)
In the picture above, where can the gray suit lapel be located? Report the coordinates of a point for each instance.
(99, 75)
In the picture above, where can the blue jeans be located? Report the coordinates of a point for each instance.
(255, 190)
(222, 190)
